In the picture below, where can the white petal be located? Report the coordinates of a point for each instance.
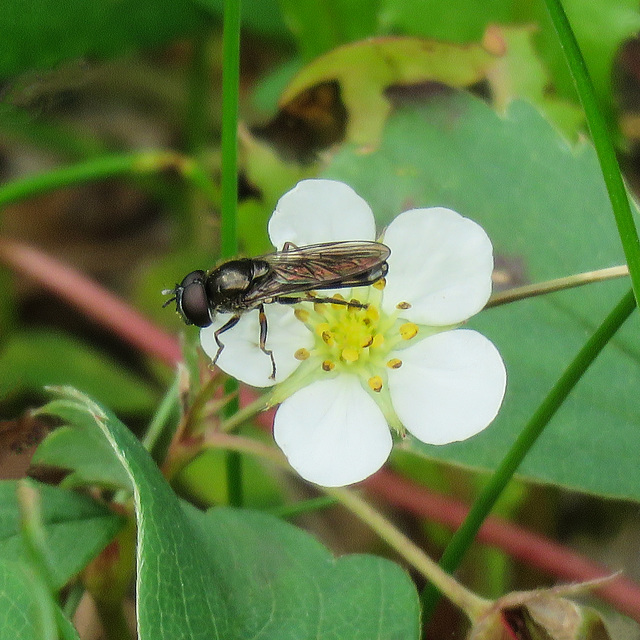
(321, 211)
(332, 432)
(242, 357)
(440, 263)
(450, 386)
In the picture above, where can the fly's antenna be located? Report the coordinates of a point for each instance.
(172, 293)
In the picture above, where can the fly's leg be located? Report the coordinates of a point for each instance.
(314, 299)
(229, 324)
(263, 340)
(288, 246)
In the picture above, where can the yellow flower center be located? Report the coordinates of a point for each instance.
(357, 336)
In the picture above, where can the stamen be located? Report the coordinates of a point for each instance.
(327, 365)
(349, 354)
(378, 340)
(322, 327)
(328, 338)
(367, 342)
(394, 363)
(403, 305)
(408, 330)
(375, 383)
(372, 314)
(380, 284)
(302, 314)
(339, 307)
(301, 354)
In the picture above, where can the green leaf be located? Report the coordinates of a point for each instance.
(77, 528)
(260, 16)
(27, 610)
(544, 205)
(78, 446)
(600, 26)
(33, 359)
(464, 23)
(521, 74)
(41, 34)
(365, 69)
(321, 26)
(312, 594)
(235, 574)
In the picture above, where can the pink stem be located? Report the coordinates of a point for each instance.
(530, 548)
(91, 299)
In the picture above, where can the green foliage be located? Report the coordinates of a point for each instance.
(33, 359)
(76, 528)
(42, 34)
(221, 561)
(367, 69)
(27, 610)
(515, 167)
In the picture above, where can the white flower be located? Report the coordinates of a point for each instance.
(348, 374)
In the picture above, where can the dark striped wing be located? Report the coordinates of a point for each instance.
(330, 265)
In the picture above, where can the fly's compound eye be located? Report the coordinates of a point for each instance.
(192, 300)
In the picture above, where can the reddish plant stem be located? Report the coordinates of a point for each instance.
(530, 548)
(91, 299)
(112, 313)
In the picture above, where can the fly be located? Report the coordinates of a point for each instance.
(238, 286)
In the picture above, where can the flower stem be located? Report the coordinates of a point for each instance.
(464, 536)
(242, 415)
(472, 604)
(229, 239)
(558, 284)
(602, 142)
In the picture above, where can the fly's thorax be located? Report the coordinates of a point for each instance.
(227, 285)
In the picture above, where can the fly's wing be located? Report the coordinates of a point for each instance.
(330, 265)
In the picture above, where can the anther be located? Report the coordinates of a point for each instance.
(328, 338)
(394, 363)
(378, 340)
(380, 284)
(302, 315)
(349, 354)
(327, 365)
(408, 330)
(375, 383)
(301, 354)
(403, 305)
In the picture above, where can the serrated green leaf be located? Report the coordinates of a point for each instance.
(544, 205)
(600, 26)
(521, 74)
(311, 593)
(233, 574)
(366, 69)
(465, 22)
(80, 448)
(77, 528)
(33, 359)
